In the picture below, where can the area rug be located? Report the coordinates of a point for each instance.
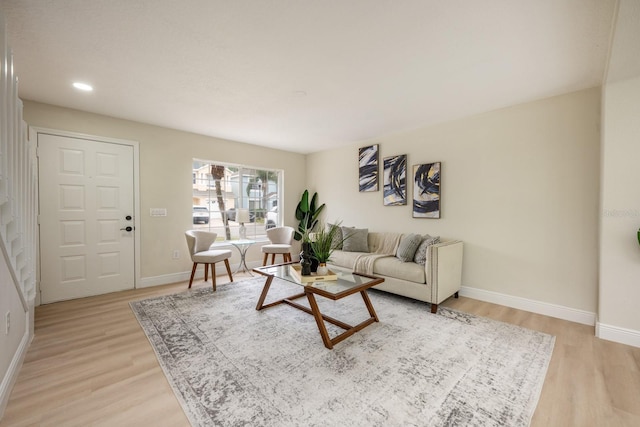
(230, 365)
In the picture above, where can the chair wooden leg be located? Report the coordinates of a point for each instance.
(264, 261)
(273, 259)
(213, 276)
(193, 272)
(206, 272)
(434, 308)
(226, 264)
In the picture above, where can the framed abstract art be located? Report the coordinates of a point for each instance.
(394, 178)
(368, 168)
(426, 190)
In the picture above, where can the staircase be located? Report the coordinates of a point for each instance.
(18, 184)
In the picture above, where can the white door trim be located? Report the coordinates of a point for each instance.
(34, 131)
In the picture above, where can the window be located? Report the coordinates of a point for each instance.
(221, 191)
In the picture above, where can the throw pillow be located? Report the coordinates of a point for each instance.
(408, 246)
(355, 239)
(421, 253)
(337, 237)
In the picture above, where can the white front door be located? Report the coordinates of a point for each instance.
(86, 217)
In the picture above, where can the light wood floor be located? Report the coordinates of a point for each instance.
(91, 364)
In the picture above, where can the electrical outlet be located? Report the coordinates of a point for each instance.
(7, 326)
(176, 254)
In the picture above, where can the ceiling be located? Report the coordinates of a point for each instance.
(305, 75)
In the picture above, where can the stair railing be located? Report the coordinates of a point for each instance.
(18, 184)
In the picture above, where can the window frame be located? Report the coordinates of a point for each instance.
(236, 193)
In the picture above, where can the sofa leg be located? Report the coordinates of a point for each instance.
(455, 295)
(434, 308)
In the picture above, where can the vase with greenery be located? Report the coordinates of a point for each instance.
(323, 242)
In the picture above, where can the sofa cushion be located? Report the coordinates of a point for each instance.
(408, 246)
(337, 237)
(355, 239)
(392, 267)
(344, 259)
(420, 256)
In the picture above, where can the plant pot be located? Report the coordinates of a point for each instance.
(322, 269)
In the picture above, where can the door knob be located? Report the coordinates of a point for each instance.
(127, 229)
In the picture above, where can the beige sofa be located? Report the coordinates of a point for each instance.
(434, 282)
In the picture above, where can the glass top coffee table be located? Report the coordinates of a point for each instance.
(345, 285)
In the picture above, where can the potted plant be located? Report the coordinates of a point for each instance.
(307, 214)
(323, 243)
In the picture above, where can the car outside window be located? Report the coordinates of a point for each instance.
(200, 215)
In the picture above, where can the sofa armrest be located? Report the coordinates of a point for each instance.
(443, 269)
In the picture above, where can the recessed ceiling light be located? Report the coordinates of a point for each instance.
(83, 86)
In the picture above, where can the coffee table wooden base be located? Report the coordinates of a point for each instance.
(320, 318)
(349, 330)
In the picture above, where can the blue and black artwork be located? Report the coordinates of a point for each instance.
(426, 190)
(395, 180)
(368, 168)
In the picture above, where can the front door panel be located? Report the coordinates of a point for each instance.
(86, 193)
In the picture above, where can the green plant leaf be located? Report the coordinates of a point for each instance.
(314, 201)
(315, 215)
(304, 202)
(299, 213)
(323, 243)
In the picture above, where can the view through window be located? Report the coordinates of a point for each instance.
(226, 196)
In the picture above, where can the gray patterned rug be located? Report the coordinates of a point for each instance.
(231, 365)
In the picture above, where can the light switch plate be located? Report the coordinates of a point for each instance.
(158, 212)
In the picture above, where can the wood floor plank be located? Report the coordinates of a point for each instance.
(590, 382)
(90, 363)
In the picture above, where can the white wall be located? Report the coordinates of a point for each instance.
(166, 158)
(519, 186)
(13, 345)
(619, 248)
(619, 315)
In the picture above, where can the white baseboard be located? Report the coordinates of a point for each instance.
(618, 334)
(547, 309)
(167, 279)
(14, 369)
